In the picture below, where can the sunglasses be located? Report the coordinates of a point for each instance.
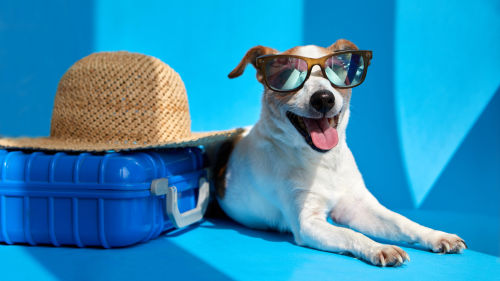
(286, 73)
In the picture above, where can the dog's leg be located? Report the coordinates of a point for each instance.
(366, 214)
(310, 228)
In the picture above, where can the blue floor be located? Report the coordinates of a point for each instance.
(220, 249)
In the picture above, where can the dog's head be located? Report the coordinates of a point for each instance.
(312, 116)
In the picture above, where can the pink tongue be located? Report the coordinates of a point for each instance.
(323, 135)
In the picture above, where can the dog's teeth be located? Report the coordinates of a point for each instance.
(330, 120)
(301, 122)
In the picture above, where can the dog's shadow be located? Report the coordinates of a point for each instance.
(228, 224)
(225, 223)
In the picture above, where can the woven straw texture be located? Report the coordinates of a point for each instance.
(119, 101)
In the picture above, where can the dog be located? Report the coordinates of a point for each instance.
(277, 176)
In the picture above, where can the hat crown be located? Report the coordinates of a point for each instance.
(120, 98)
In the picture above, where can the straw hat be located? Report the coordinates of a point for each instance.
(119, 101)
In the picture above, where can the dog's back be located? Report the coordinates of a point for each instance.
(219, 154)
(220, 167)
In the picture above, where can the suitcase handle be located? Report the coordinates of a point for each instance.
(178, 219)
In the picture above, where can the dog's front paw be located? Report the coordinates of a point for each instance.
(388, 255)
(441, 242)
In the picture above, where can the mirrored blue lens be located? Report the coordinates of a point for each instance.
(286, 73)
(345, 70)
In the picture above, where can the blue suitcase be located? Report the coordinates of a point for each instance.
(99, 199)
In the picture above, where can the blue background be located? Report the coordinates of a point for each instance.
(425, 125)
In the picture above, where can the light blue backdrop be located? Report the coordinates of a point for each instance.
(424, 126)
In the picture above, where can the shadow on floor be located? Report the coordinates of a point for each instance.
(158, 259)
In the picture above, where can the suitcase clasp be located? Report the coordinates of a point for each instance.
(179, 220)
(159, 187)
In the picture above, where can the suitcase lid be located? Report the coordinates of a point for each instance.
(133, 170)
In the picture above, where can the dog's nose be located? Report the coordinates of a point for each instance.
(323, 101)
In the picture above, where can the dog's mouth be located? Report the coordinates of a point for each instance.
(320, 134)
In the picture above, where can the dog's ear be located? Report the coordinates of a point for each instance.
(250, 57)
(342, 45)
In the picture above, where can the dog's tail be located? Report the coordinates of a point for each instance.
(218, 154)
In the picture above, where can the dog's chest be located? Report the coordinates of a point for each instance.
(328, 185)
(323, 181)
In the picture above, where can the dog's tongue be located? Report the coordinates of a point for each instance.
(322, 134)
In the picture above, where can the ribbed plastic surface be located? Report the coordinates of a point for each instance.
(92, 199)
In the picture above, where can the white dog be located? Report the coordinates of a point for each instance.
(293, 169)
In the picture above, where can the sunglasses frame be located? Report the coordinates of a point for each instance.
(261, 63)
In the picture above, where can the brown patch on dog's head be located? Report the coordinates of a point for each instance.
(342, 45)
(250, 57)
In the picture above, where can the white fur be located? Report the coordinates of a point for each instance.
(275, 180)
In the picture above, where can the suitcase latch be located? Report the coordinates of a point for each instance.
(159, 187)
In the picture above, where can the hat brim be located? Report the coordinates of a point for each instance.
(48, 143)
